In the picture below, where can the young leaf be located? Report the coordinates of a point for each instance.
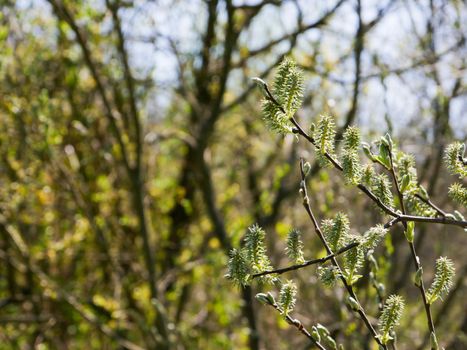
(267, 299)
(409, 232)
(353, 304)
(384, 154)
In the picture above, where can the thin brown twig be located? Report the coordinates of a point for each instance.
(348, 287)
(416, 259)
(400, 217)
(297, 324)
(431, 204)
(282, 270)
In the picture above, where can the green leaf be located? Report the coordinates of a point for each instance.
(409, 232)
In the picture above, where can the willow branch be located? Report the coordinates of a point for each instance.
(431, 204)
(348, 287)
(400, 217)
(415, 258)
(306, 263)
(297, 324)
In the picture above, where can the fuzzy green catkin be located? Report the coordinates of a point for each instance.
(328, 275)
(324, 136)
(351, 167)
(274, 118)
(287, 297)
(406, 165)
(294, 248)
(288, 91)
(407, 173)
(256, 250)
(353, 261)
(288, 86)
(373, 236)
(390, 317)
(368, 175)
(443, 280)
(382, 189)
(352, 138)
(336, 231)
(238, 269)
(452, 157)
(458, 193)
(408, 182)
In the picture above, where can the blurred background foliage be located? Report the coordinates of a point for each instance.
(133, 157)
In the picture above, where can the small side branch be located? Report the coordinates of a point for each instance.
(397, 215)
(297, 324)
(306, 263)
(431, 204)
(348, 287)
(440, 220)
(415, 258)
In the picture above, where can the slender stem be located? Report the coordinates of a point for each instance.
(397, 217)
(405, 218)
(297, 324)
(431, 204)
(348, 287)
(400, 217)
(415, 258)
(306, 263)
